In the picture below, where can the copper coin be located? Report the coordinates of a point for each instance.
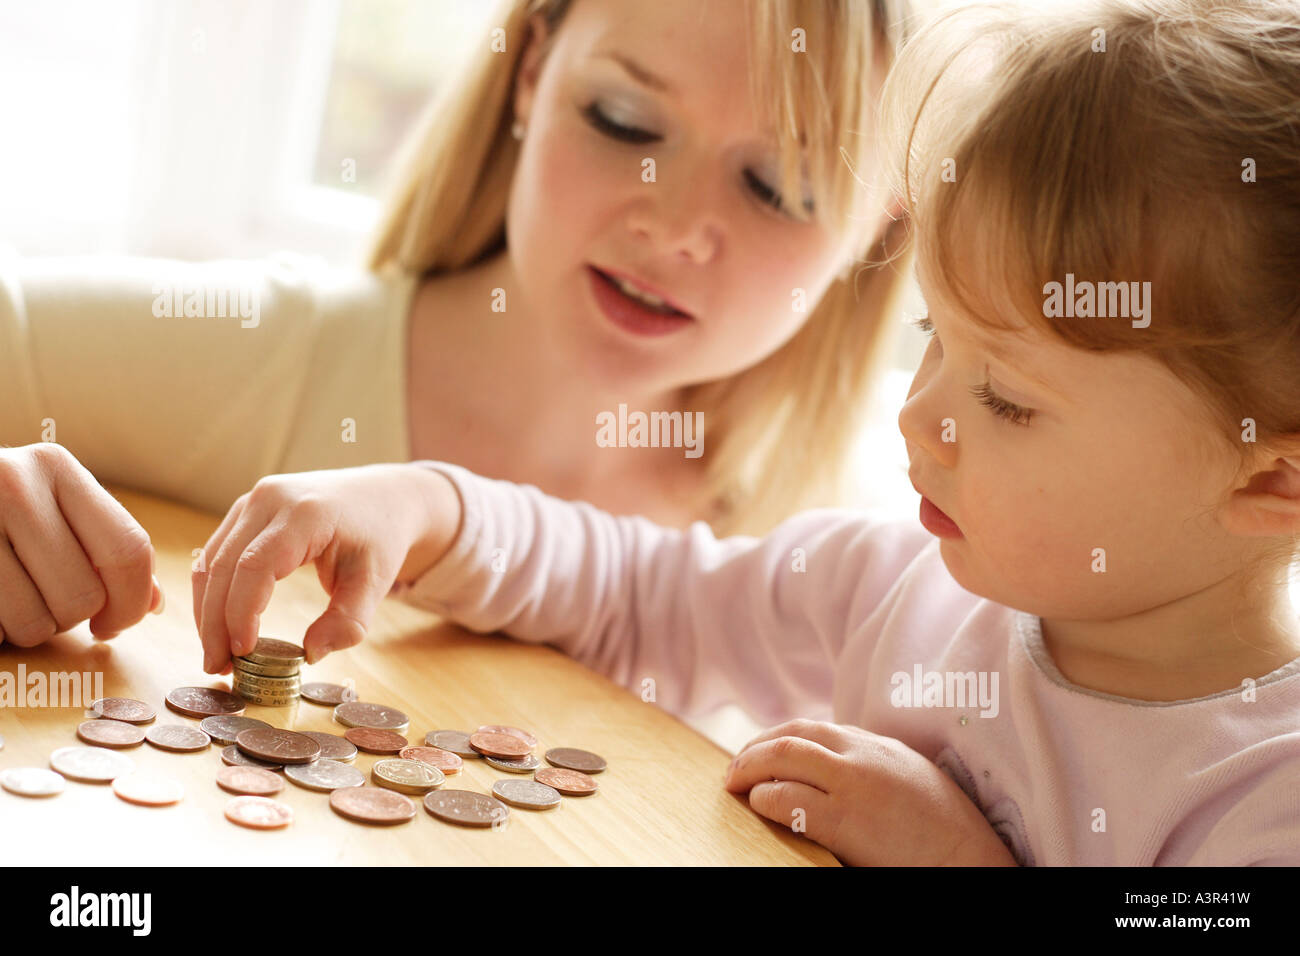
(249, 781)
(178, 738)
(528, 794)
(232, 756)
(525, 764)
(356, 713)
(148, 789)
(124, 709)
(268, 650)
(374, 741)
(571, 783)
(465, 807)
(523, 735)
(110, 733)
(444, 760)
(224, 730)
(277, 746)
(570, 758)
(455, 741)
(372, 805)
(499, 745)
(332, 694)
(90, 764)
(32, 781)
(324, 775)
(204, 702)
(332, 746)
(258, 813)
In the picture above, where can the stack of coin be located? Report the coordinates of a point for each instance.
(268, 674)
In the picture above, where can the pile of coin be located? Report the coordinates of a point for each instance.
(268, 674)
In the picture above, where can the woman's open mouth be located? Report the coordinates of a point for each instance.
(632, 308)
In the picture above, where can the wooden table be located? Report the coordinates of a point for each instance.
(660, 802)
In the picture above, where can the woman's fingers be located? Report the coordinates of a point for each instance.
(23, 615)
(115, 544)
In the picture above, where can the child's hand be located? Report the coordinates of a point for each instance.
(870, 800)
(69, 551)
(363, 527)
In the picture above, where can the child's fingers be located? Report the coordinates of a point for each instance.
(221, 571)
(358, 587)
(199, 577)
(117, 547)
(796, 805)
(831, 736)
(273, 555)
(25, 619)
(785, 758)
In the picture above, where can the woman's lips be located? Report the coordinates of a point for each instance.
(936, 522)
(629, 314)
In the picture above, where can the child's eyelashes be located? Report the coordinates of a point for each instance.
(984, 393)
(632, 134)
(1000, 406)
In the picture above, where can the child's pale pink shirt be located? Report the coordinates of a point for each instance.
(817, 620)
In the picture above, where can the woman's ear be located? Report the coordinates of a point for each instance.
(1269, 504)
(530, 67)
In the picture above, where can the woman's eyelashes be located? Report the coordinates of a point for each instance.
(983, 393)
(632, 134)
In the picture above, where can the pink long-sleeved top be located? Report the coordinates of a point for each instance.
(847, 617)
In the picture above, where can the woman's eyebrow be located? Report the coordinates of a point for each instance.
(639, 72)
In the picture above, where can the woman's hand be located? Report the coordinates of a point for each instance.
(870, 800)
(69, 551)
(364, 528)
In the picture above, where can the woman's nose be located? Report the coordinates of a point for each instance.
(679, 218)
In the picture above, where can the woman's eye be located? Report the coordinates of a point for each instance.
(1000, 406)
(627, 134)
(770, 196)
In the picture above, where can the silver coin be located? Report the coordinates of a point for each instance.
(518, 765)
(457, 741)
(324, 775)
(528, 794)
(224, 729)
(232, 756)
(331, 694)
(407, 776)
(32, 781)
(332, 746)
(91, 764)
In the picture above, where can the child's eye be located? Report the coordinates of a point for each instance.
(923, 323)
(628, 134)
(1001, 407)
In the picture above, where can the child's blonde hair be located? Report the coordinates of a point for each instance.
(1124, 140)
(781, 432)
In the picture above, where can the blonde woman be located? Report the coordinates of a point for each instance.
(625, 209)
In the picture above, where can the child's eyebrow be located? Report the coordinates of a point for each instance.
(638, 72)
(1016, 356)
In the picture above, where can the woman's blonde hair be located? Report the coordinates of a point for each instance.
(780, 432)
(1118, 141)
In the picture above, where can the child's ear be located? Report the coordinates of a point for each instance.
(1269, 504)
(530, 66)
